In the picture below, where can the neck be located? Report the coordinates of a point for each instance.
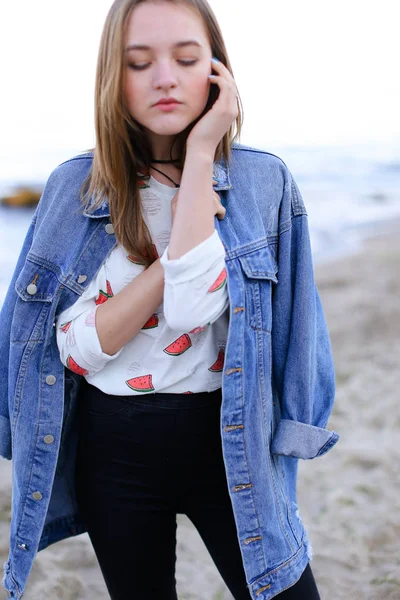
(163, 147)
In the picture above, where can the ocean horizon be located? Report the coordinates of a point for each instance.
(348, 191)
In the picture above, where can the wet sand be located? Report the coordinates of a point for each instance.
(349, 499)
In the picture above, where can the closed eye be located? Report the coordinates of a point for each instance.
(184, 63)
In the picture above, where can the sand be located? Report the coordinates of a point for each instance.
(349, 499)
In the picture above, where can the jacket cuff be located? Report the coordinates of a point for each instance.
(5, 438)
(300, 440)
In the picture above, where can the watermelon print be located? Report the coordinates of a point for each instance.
(151, 323)
(65, 326)
(142, 184)
(199, 339)
(73, 366)
(141, 384)
(135, 367)
(219, 283)
(101, 298)
(219, 363)
(198, 329)
(71, 340)
(90, 320)
(179, 346)
(104, 296)
(131, 373)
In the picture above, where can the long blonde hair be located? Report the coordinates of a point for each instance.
(121, 145)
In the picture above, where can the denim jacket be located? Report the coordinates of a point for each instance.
(278, 381)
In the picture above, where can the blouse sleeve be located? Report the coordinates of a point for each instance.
(77, 339)
(195, 292)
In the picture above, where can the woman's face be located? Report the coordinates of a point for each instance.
(173, 62)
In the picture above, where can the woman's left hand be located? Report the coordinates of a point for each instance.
(211, 128)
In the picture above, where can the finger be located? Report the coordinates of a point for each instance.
(218, 205)
(221, 69)
(221, 213)
(224, 84)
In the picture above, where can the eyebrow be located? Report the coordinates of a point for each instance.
(177, 45)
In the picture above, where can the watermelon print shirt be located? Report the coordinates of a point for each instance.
(180, 349)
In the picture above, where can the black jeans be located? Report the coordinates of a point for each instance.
(141, 460)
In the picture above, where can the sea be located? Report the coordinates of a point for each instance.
(349, 191)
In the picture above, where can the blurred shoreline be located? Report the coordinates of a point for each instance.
(361, 234)
(347, 189)
(349, 499)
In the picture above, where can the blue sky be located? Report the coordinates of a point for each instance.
(311, 72)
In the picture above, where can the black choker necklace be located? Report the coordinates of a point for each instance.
(153, 160)
(167, 176)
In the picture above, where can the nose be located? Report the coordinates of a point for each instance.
(165, 75)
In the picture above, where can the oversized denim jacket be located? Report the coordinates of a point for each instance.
(278, 382)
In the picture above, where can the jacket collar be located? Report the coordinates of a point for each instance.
(220, 174)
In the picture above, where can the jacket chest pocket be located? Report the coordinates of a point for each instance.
(37, 288)
(260, 276)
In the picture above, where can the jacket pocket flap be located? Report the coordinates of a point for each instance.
(259, 264)
(36, 283)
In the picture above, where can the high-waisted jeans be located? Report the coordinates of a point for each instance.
(141, 460)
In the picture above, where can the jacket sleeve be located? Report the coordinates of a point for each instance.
(6, 316)
(195, 292)
(302, 361)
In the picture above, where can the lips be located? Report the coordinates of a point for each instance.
(166, 101)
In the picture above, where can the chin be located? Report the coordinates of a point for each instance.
(168, 128)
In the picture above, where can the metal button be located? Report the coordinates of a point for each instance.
(50, 380)
(31, 289)
(109, 228)
(82, 278)
(37, 496)
(48, 439)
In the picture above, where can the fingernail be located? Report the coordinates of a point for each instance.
(211, 76)
(215, 60)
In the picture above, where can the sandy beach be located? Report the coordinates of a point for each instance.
(349, 499)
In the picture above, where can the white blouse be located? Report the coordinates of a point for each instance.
(181, 348)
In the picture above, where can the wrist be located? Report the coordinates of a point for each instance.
(200, 152)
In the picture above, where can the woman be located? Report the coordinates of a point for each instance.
(166, 351)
